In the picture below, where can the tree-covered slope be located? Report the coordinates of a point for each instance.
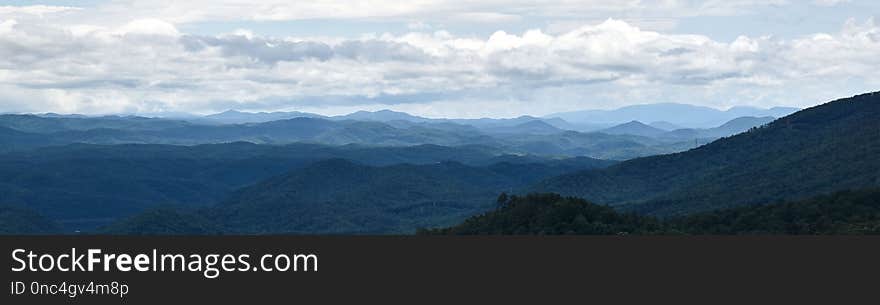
(87, 186)
(551, 214)
(532, 136)
(818, 150)
(163, 221)
(340, 196)
(845, 212)
(19, 220)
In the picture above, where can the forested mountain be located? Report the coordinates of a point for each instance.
(593, 144)
(635, 128)
(339, 196)
(51, 124)
(86, 186)
(814, 151)
(664, 125)
(688, 116)
(19, 220)
(383, 116)
(14, 140)
(516, 136)
(732, 127)
(735, 126)
(846, 212)
(390, 172)
(239, 117)
(552, 214)
(535, 127)
(164, 221)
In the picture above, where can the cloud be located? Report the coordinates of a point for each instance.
(35, 10)
(425, 11)
(149, 65)
(830, 2)
(150, 26)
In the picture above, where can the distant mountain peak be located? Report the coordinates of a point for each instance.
(635, 128)
(233, 116)
(536, 123)
(799, 155)
(682, 115)
(383, 115)
(664, 125)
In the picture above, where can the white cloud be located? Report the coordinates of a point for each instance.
(149, 27)
(36, 10)
(830, 2)
(147, 64)
(426, 11)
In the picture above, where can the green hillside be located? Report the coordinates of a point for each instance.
(20, 220)
(815, 151)
(845, 212)
(340, 196)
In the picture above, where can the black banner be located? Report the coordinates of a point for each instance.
(440, 269)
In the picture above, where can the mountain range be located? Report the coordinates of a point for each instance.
(682, 115)
(844, 212)
(388, 173)
(85, 186)
(667, 116)
(814, 151)
(22, 132)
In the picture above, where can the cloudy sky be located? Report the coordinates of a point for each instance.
(431, 57)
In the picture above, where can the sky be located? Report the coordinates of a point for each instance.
(433, 58)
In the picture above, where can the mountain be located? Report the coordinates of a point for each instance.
(300, 129)
(845, 212)
(52, 124)
(635, 128)
(20, 220)
(163, 221)
(238, 117)
(13, 140)
(382, 116)
(491, 125)
(742, 124)
(664, 125)
(732, 127)
(339, 196)
(689, 116)
(746, 111)
(729, 128)
(517, 136)
(551, 214)
(814, 151)
(534, 127)
(84, 187)
(593, 144)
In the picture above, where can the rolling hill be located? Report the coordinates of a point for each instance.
(20, 220)
(87, 186)
(239, 117)
(635, 128)
(845, 212)
(522, 135)
(689, 116)
(815, 151)
(339, 196)
(732, 127)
